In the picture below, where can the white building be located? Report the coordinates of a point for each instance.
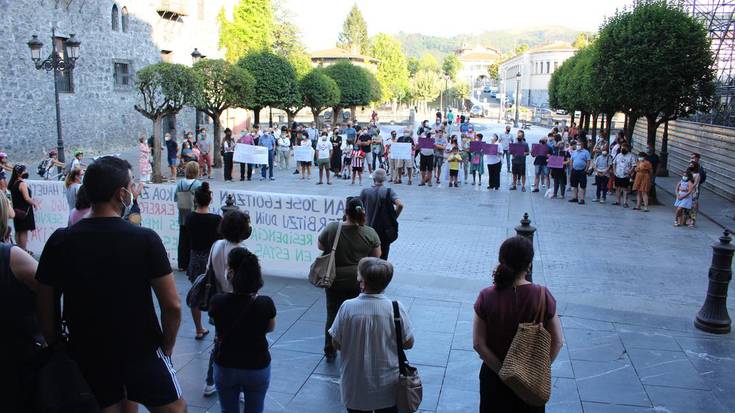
(535, 66)
(475, 64)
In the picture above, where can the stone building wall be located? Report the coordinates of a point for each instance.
(98, 117)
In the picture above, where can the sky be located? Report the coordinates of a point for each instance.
(321, 20)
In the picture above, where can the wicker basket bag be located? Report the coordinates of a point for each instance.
(527, 366)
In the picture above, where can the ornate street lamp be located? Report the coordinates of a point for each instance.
(517, 103)
(54, 62)
(196, 55)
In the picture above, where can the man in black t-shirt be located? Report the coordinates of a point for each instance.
(105, 269)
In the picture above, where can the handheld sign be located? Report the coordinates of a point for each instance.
(555, 162)
(539, 149)
(426, 143)
(401, 150)
(517, 149)
(490, 149)
(244, 153)
(303, 153)
(475, 146)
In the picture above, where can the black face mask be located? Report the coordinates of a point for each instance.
(24, 175)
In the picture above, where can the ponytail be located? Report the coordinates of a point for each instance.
(503, 276)
(514, 257)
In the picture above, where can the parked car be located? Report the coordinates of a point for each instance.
(476, 111)
(560, 112)
(487, 89)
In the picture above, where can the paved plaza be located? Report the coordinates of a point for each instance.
(628, 285)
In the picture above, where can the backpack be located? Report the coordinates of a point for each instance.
(185, 198)
(43, 167)
(702, 175)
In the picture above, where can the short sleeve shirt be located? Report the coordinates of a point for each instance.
(521, 159)
(355, 243)
(623, 164)
(171, 148)
(104, 268)
(442, 142)
(580, 159)
(323, 148)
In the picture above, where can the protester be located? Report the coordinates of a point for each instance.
(22, 337)
(405, 164)
(691, 216)
(499, 310)
(580, 165)
(82, 207)
(205, 154)
(383, 207)
(268, 141)
(184, 198)
(541, 170)
(49, 167)
(643, 181)
(464, 144)
(560, 174)
(453, 161)
(683, 203)
(494, 165)
(602, 167)
(356, 241)
(203, 229)
(623, 166)
(228, 151)
(172, 153)
(76, 162)
(324, 156)
(358, 163)
(23, 201)
(440, 146)
(242, 318)
(246, 138)
(113, 335)
(505, 140)
(519, 163)
(144, 159)
(234, 229)
(426, 165)
(477, 163)
(72, 183)
(5, 168)
(377, 151)
(305, 165)
(284, 149)
(364, 333)
(335, 160)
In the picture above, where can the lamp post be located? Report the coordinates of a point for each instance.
(446, 86)
(54, 62)
(518, 88)
(196, 56)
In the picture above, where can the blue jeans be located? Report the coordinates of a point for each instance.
(269, 166)
(231, 382)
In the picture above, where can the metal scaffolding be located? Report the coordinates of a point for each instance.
(718, 16)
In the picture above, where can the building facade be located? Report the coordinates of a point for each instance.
(475, 63)
(322, 58)
(535, 66)
(97, 98)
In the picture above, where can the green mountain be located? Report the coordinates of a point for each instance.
(415, 44)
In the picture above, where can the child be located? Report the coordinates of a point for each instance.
(476, 162)
(358, 160)
(466, 155)
(305, 165)
(454, 160)
(683, 203)
(347, 161)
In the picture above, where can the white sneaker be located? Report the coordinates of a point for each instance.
(209, 389)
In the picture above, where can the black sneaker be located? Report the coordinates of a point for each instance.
(573, 200)
(535, 190)
(581, 202)
(512, 188)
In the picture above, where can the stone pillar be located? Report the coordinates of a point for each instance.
(526, 230)
(713, 317)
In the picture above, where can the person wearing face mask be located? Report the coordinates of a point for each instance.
(519, 164)
(115, 337)
(642, 182)
(684, 191)
(324, 154)
(23, 205)
(623, 165)
(268, 140)
(580, 165)
(601, 166)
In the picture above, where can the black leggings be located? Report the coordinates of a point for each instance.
(496, 397)
(493, 173)
(560, 183)
(227, 159)
(601, 182)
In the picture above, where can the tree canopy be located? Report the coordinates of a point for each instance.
(392, 67)
(354, 32)
(275, 81)
(428, 62)
(319, 91)
(451, 65)
(251, 28)
(353, 82)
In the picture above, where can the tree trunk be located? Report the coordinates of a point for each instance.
(625, 124)
(632, 120)
(608, 126)
(663, 168)
(156, 176)
(256, 116)
(216, 142)
(353, 114)
(335, 114)
(593, 135)
(571, 116)
(651, 130)
(290, 116)
(315, 113)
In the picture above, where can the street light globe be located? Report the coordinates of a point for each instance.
(196, 55)
(72, 45)
(518, 75)
(35, 45)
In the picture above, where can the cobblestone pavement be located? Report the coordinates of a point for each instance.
(628, 285)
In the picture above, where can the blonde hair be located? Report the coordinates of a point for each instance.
(191, 170)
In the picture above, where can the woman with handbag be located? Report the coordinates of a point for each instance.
(356, 241)
(242, 319)
(234, 228)
(203, 229)
(499, 310)
(365, 333)
(23, 205)
(184, 198)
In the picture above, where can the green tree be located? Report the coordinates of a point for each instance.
(220, 86)
(375, 91)
(581, 41)
(354, 86)
(251, 28)
(426, 86)
(319, 92)
(354, 32)
(521, 48)
(392, 67)
(163, 89)
(413, 66)
(493, 71)
(300, 62)
(451, 65)
(428, 62)
(459, 90)
(275, 82)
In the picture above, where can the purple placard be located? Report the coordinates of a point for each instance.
(475, 146)
(538, 149)
(426, 143)
(490, 149)
(517, 149)
(555, 162)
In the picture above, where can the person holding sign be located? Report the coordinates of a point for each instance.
(324, 154)
(426, 166)
(440, 146)
(268, 141)
(247, 139)
(493, 161)
(405, 164)
(540, 153)
(559, 171)
(520, 151)
(476, 159)
(304, 164)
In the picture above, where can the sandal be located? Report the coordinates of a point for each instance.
(201, 334)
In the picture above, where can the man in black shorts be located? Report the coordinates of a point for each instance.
(519, 163)
(105, 268)
(426, 164)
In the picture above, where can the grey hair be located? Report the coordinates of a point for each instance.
(379, 176)
(375, 273)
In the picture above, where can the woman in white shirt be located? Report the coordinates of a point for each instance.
(494, 163)
(364, 332)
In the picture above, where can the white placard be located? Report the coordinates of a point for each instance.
(401, 150)
(252, 154)
(303, 153)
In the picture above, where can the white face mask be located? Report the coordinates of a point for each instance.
(640, 159)
(129, 206)
(604, 152)
(579, 147)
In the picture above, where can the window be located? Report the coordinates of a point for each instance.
(556, 66)
(65, 80)
(167, 56)
(125, 22)
(548, 67)
(115, 18)
(122, 74)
